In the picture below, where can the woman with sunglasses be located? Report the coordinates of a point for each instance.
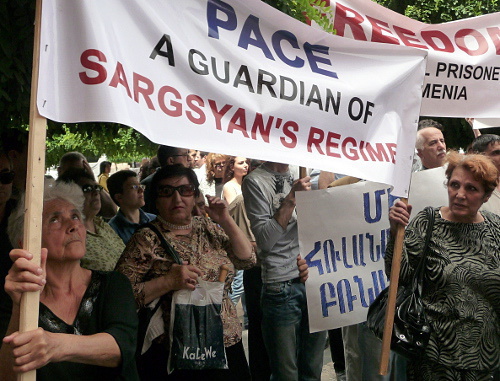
(216, 167)
(104, 246)
(204, 246)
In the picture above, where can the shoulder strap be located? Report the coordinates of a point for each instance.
(418, 277)
(168, 247)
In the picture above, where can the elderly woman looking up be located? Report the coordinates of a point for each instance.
(88, 324)
(203, 246)
(461, 291)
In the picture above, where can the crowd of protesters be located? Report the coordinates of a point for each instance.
(105, 255)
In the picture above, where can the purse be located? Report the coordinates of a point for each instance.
(411, 331)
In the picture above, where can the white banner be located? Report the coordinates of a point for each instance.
(463, 67)
(239, 78)
(343, 233)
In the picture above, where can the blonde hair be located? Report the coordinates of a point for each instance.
(210, 163)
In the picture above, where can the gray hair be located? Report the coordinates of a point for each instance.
(419, 143)
(53, 190)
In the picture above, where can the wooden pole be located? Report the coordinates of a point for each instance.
(34, 192)
(391, 300)
(302, 172)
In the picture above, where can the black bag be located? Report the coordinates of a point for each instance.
(411, 331)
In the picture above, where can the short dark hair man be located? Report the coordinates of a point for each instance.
(128, 194)
(489, 145)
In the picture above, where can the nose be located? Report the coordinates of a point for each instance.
(176, 196)
(441, 145)
(73, 225)
(461, 193)
(140, 190)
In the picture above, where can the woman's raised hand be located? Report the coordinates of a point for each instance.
(217, 209)
(24, 275)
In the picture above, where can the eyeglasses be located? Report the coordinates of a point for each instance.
(91, 188)
(184, 190)
(219, 165)
(6, 177)
(136, 187)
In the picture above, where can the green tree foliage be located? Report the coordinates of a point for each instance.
(304, 10)
(439, 11)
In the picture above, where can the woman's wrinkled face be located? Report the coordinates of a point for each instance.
(175, 201)
(465, 195)
(63, 232)
(240, 167)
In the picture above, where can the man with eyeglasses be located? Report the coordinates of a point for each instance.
(128, 194)
(167, 155)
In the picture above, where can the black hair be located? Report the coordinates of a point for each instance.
(116, 181)
(103, 166)
(481, 143)
(75, 175)
(177, 170)
(164, 152)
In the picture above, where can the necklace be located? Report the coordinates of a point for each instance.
(178, 227)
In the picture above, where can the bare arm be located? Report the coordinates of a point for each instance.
(34, 349)
(217, 210)
(325, 179)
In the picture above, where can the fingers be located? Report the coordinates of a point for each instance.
(196, 270)
(184, 276)
(24, 275)
(29, 349)
(303, 184)
(215, 201)
(303, 269)
(399, 213)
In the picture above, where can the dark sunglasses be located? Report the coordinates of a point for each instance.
(91, 188)
(6, 177)
(184, 190)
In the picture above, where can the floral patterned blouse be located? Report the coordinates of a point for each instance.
(206, 247)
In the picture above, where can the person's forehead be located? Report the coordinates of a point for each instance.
(85, 181)
(57, 206)
(432, 133)
(132, 180)
(174, 181)
(493, 146)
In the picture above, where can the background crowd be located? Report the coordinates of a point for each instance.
(125, 241)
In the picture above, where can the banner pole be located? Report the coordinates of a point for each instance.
(302, 172)
(32, 239)
(391, 300)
